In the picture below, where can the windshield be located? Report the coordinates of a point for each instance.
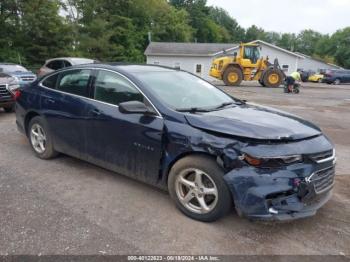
(13, 68)
(181, 90)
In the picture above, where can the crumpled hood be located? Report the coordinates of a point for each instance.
(254, 122)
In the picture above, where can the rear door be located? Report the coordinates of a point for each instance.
(126, 143)
(64, 104)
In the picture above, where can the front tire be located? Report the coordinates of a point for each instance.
(40, 138)
(198, 189)
(233, 76)
(273, 78)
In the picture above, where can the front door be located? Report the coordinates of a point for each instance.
(129, 144)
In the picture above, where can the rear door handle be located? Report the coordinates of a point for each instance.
(95, 112)
(50, 100)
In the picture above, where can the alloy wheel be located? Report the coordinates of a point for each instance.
(38, 138)
(196, 191)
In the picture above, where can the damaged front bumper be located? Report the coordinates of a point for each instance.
(295, 192)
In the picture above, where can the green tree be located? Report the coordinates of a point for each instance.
(254, 33)
(340, 47)
(231, 30)
(9, 21)
(287, 41)
(206, 29)
(32, 31)
(307, 41)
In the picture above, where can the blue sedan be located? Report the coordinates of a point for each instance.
(173, 130)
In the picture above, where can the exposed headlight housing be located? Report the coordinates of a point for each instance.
(271, 162)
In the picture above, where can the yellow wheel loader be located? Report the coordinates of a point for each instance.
(248, 66)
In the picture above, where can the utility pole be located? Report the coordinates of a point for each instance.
(150, 32)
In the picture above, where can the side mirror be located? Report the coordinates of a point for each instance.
(135, 107)
(235, 54)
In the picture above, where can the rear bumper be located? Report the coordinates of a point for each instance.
(279, 195)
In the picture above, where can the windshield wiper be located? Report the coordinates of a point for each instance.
(224, 105)
(192, 109)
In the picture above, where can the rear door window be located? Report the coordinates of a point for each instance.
(75, 82)
(55, 64)
(114, 89)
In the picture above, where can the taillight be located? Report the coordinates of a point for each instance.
(17, 94)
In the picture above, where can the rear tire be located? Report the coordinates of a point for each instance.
(337, 82)
(233, 76)
(261, 83)
(40, 138)
(273, 78)
(195, 179)
(9, 109)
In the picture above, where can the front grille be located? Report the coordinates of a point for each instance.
(28, 78)
(4, 93)
(323, 156)
(323, 179)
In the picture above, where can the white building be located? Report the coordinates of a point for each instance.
(197, 57)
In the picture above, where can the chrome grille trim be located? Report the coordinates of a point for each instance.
(323, 180)
(323, 156)
(4, 93)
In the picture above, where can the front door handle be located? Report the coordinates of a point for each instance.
(95, 112)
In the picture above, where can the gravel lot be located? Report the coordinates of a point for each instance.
(66, 206)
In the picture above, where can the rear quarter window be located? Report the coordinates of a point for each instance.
(51, 81)
(55, 64)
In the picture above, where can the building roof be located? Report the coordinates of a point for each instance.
(186, 49)
(268, 44)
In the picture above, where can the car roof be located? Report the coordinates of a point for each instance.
(128, 68)
(71, 59)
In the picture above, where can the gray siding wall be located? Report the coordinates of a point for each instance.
(187, 63)
(311, 64)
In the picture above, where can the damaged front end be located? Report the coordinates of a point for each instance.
(270, 179)
(271, 188)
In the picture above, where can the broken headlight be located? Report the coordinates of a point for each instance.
(271, 162)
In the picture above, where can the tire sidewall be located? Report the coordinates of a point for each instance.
(211, 168)
(266, 76)
(49, 151)
(233, 69)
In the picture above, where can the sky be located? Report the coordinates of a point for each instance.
(289, 16)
